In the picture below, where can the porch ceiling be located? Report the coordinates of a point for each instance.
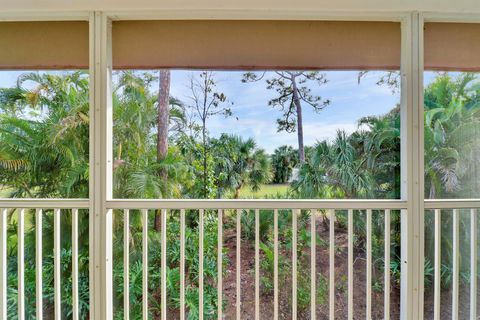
(468, 6)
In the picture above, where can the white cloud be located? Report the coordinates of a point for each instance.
(349, 102)
(264, 131)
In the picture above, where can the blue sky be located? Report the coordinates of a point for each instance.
(350, 101)
(253, 117)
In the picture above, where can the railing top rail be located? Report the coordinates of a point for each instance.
(239, 203)
(44, 203)
(255, 204)
(452, 203)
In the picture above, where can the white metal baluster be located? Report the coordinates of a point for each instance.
(200, 262)
(182, 264)
(107, 255)
(57, 263)
(331, 276)
(38, 264)
(456, 263)
(126, 264)
(21, 264)
(313, 261)
(437, 265)
(386, 298)
(473, 264)
(275, 264)
(164, 264)
(257, 264)
(369, 264)
(75, 264)
(350, 264)
(239, 243)
(145, 264)
(3, 264)
(294, 263)
(219, 263)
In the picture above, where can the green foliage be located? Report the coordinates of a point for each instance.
(284, 159)
(48, 285)
(44, 123)
(452, 150)
(284, 263)
(452, 130)
(238, 162)
(44, 134)
(173, 266)
(365, 164)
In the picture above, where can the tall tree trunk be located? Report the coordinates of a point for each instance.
(204, 133)
(298, 105)
(163, 115)
(237, 191)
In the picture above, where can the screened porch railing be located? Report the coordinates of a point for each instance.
(219, 208)
(21, 206)
(454, 208)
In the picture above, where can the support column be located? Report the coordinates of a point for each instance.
(412, 159)
(100, 221)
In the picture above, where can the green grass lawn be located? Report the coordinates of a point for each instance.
(266, 190)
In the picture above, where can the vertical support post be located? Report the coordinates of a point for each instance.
(126, 264)
(313, 263)
(412, 168)
(100, 217)
(57, 271)
(275, 264)
(3, 264)
(350, 264)
(257, 264)
(94, 167)
(75, 311)
(144, 264)
(107, 166)
(331, 269)
(21, 266)
(239, 261)
(38, 264)
(219, 264)
(182, 264)
(107, 270)
(419, 236)
(473, 264)
(295, 213)
(456, 264)
(437, 265)
(369, 264)
(164, 264)
(386, 298)
(200, 264)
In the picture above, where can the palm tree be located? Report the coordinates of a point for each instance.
(138, 170)
(335, 170)
(239, 163)
(452, 150)
(378, 140)
(284, 159)
(45, 151)
(452, 133)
